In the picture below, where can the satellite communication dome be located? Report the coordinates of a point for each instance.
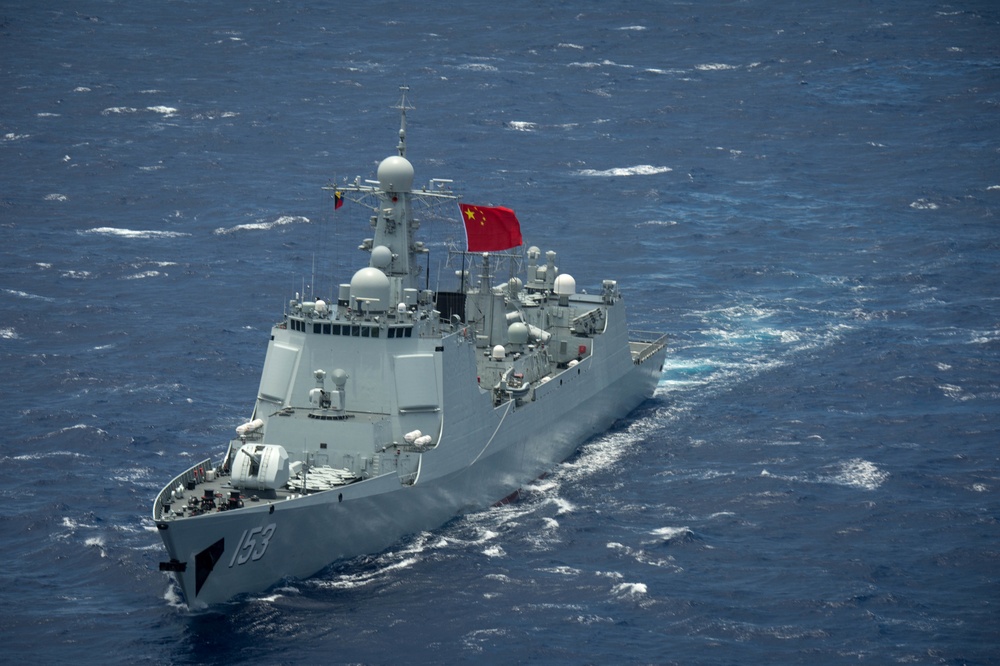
(370, 285)
(395, 174)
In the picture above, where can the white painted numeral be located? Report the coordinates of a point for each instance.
(253, 544)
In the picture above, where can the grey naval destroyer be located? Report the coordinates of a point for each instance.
(390, 409)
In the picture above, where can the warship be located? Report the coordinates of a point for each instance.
(387, 409)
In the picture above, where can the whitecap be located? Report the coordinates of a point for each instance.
(633, 27)
(96, 542)
(858, 473)
(494, 551)
(630, 589)
(81, 89)
(638, 170)
(350, 581)
(478, 67)
(667, 534)
(119, 110)
(715, 67)
(924, 204)
(955, 392)
(8, 334)
(993, 187)
(132, 233)
(24, 294)
(521, 125)
(56, 197)
(52, 454)
(143, 275)
(167, 111)
(10, 136)
(564, 506)
(263, 226)
(569, 46)
(45, 114)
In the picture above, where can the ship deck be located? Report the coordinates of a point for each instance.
(200, 490)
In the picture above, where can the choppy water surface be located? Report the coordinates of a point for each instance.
(805, 198)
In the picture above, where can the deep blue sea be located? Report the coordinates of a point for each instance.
(805, 196)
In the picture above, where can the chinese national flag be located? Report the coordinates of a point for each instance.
(488, 229)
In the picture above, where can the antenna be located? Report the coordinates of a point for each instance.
(402, 106)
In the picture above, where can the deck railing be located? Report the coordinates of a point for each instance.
(646, 345)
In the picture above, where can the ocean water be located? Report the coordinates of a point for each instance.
(805, 196)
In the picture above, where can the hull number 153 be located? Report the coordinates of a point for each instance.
(253, 544)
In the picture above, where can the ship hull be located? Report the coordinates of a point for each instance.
(218, 555)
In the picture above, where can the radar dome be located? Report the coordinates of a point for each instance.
(371, 286)
(517, 333)
(565, 285)
(395, 174)
(381, 256)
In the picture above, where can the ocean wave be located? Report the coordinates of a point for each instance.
(715, 67)
(132, 233)
(561, 570)
(853, 473)
(143, 275)
(478, 67)
(56, 197)
(638, 170)
(594, 65)
(263, 226)
(522, 126)
(956, 392)
(640, 556)
(33, 297)
(96, 542)
(366, 576)
(8, 334)
(671, 534)
(630, 590)
(166, 111)
(858, 473)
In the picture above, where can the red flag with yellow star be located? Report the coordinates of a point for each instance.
(490, 228)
